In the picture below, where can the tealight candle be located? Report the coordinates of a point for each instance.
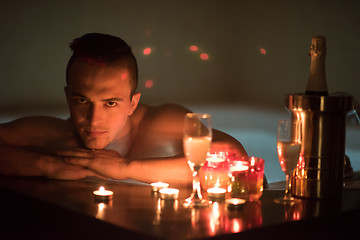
(103, 195)
(217, 193)
(169, 193)
(235, 203)
(158, 185)
(247, 178)
(239, 168)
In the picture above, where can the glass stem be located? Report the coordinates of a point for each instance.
(288, 186)
(196, 187)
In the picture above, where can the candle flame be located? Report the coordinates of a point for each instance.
(252, 161)
(102, 189)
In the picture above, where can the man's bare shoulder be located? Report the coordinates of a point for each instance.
(158, 131)
(34, 130)
(166, 116)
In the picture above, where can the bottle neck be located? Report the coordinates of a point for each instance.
(317, 77)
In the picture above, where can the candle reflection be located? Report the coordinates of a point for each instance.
(195, 216)
(253, 214)
(293, 212)
(214, 218)
(157, 219)
(101, 209)
(245, 218)
(310, 208)
(171, 205)
(236, 225)
(165, 207)
(100, 212)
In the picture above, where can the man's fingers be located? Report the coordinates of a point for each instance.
(73, 153)
(86, 153)
(84, 162)
(73, 174)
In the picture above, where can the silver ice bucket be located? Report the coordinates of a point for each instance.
(320, 171)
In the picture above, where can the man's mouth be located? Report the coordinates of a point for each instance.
(95, 133)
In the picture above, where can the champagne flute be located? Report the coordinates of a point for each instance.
(197, 142)
(288, 148)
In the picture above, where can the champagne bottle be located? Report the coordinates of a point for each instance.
(317, 80)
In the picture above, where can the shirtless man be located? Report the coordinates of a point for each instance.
(108, 133)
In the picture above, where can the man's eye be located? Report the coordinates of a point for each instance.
(81, 100)
(111, 104)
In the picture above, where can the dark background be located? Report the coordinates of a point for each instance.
(258, 50)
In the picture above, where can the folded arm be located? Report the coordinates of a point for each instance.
(19, 161)
(21, 153)
(110, 164)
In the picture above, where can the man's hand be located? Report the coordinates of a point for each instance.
(54, 167)
(107, 163)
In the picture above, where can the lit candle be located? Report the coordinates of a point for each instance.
(103, 195)
(216, 193)
(239, 167)
(158, 185)
(169, 193)
(215, 159)
(235, 203)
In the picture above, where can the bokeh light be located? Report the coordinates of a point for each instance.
(263, 51)
(194, 48)
(149, 83)
(147, 51)
(124, 76)
(204, 56)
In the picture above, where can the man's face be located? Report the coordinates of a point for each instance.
(99, 100)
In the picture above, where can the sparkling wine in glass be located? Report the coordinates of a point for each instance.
(197, 143)
(288, 148)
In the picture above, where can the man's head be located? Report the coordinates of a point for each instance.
(104, 49)
(101, 83)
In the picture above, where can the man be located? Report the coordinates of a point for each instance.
(108, 133)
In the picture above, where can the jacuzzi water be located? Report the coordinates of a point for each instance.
(254, 127)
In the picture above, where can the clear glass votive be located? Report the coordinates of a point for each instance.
(246, 176)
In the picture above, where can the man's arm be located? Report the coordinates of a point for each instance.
(17, 161)
(21, 155)
(110, 164)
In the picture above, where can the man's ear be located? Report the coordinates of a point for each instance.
(66, 90)
(134, 102)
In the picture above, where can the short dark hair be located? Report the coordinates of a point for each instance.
(104, 49)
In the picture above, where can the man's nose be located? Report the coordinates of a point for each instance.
(95, 114)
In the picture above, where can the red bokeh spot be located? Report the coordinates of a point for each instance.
(149, 84)
(147, 51)
(204, 56)
(262, 51)
(194, 48)
(124, 76)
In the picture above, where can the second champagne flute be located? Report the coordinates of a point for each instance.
(288, 148)
(197, 143)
